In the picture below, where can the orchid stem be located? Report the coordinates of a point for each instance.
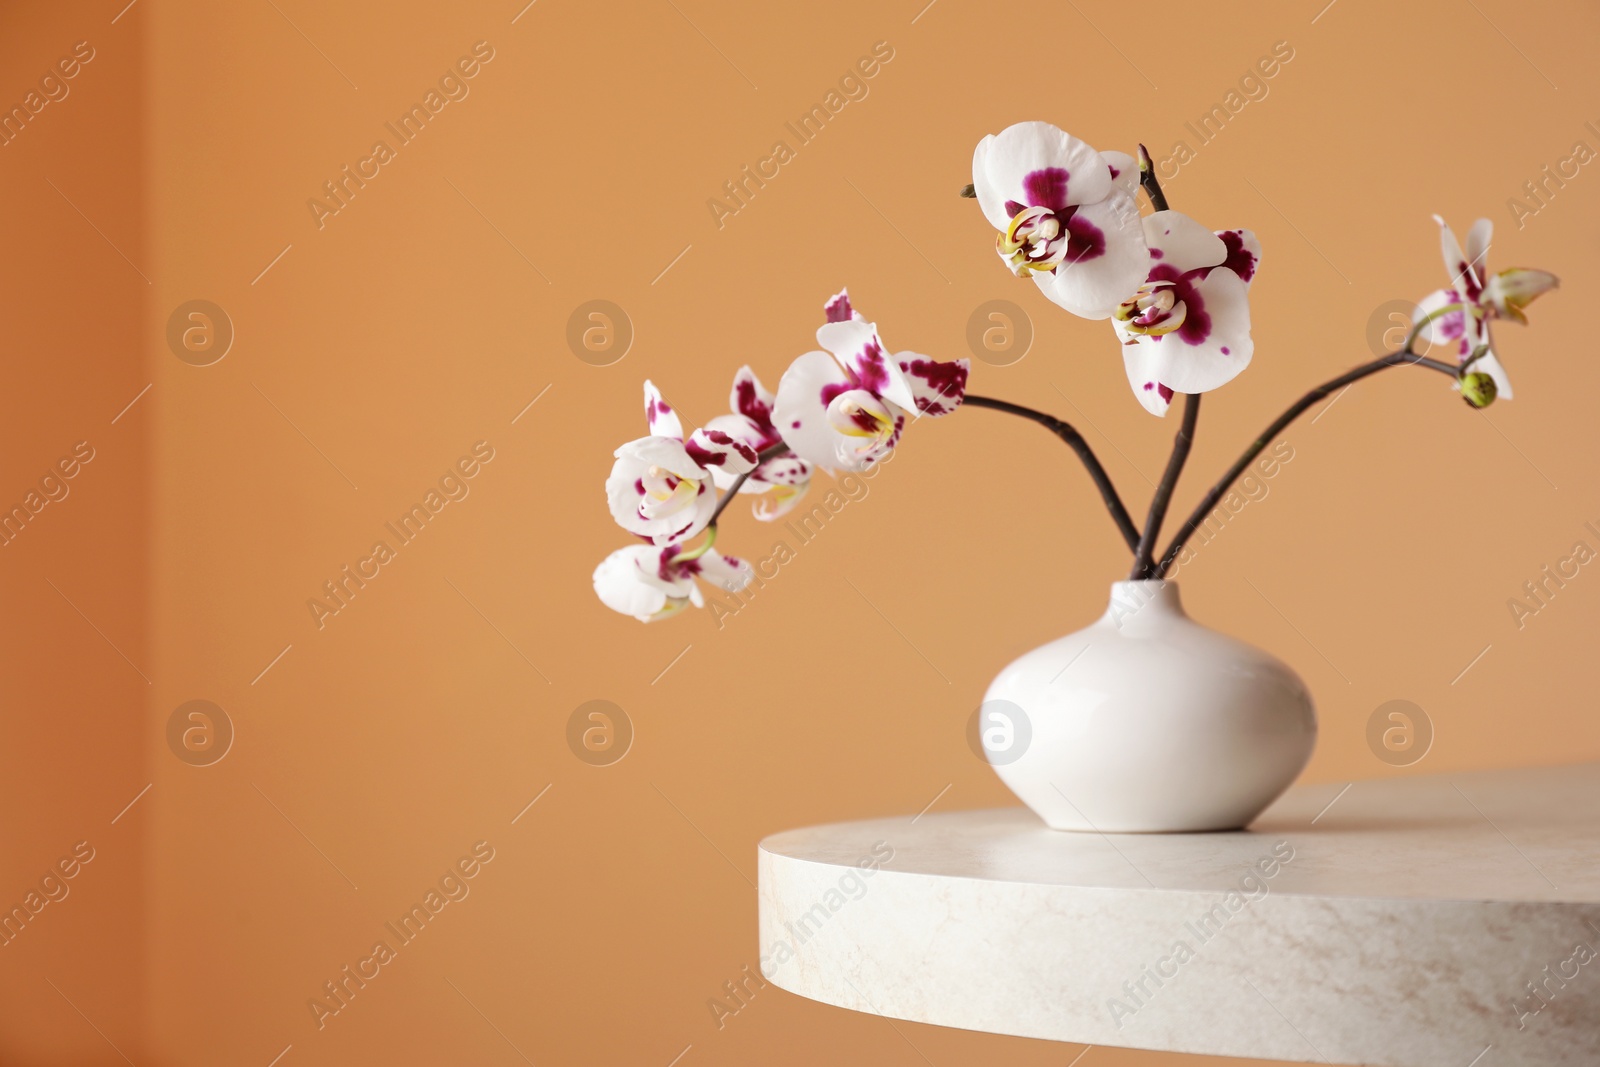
(1144, 553)
(1416, 330)
(1295, 410)
(696, 553)
(1148, 179)
(733, 490)
(1068, 433)
(1143, 556)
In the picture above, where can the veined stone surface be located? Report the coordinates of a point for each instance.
(1441, 921)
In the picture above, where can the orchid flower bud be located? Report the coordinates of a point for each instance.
(1478, 389)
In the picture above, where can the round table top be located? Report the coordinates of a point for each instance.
(1415, 921)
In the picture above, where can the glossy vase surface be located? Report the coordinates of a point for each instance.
(1147, 722)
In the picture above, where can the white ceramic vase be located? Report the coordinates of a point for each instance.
(1147, 722)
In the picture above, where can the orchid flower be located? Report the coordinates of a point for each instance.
(1067, 215)
(653, 583)
(846, 407)
(661, 486)
(783, 479)
(1187, 327)
(1484, 297)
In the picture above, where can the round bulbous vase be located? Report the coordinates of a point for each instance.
(1147, 722)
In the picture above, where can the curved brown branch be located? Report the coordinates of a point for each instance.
(1295, 410)
(1069, 433)
(1143, 557)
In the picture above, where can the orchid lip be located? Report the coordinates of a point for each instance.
(1035, 240)
(856, 420)
(1153, 311)
(1023, 217)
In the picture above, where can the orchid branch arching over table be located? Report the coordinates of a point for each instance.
(1067, 216)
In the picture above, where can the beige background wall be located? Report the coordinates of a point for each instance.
(372, 753)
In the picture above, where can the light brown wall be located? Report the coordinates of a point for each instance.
(425, 315)
(77, 654)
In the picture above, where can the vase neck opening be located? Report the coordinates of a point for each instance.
(1135, 604)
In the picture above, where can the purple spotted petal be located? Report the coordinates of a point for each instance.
(1155, 397)
(1464, 275)
(1047, 188)
(725, 572)
(1449, 328)
(938, 387)
(715, 449)
(859, 350)
(1093, 286)
(1184, 244)
(663, 421)
(1124, 171)
(1244, 253)
(1085, 241)
(1211, 348)
(838, 307)
(752, 400)
(1059, 169)
(801, 409)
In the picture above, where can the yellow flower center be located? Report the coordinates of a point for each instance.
(1035, 240)
(1152, 311)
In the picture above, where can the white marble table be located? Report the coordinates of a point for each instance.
(1447, 921)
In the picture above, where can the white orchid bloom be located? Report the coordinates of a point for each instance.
(651, 583)
(1187, 327)
(844, 408)
(1487, 297)
(782, 480)
(1067, 215)
(661, 486)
